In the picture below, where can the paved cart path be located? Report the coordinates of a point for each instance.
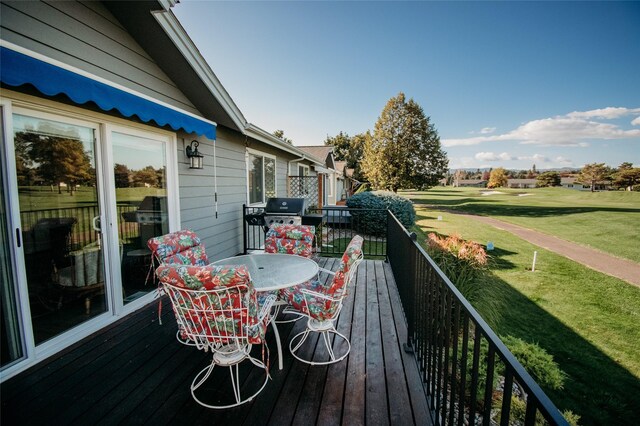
(626, 270)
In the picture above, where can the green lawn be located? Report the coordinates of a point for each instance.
(608, 221)
(588, 321)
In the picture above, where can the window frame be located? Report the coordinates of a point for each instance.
(249, 152)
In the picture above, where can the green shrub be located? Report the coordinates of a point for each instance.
(537, 361)
(465, 263)
(519, 409)
(375, 222)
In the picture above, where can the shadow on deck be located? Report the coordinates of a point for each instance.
(135, 372)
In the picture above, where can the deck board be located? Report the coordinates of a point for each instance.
(134, 372)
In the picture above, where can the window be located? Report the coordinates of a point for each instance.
(261, 177)
(303, 170)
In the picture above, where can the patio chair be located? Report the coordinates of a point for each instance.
(290, 239)
(321, 304)
(216, 308)
(181, 248)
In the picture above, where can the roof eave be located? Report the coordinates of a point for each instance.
(263, 136)
(174, 30)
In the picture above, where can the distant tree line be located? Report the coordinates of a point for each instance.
(624, 176)
(62, 161)
(147, 176)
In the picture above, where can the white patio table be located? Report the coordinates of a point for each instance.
(272, 272)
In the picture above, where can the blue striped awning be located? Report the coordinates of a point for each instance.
(17, 69)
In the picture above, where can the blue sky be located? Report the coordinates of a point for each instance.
(507, 84)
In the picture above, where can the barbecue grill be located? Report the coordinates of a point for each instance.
(151, 215)
(288, 211)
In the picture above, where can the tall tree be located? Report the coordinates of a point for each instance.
(498, 178)
(280, 135)
(341, 144)
(61, 160)
(145, 177)
(548, 179)
(592, 173)
(627, 176)
(404, 151)
(121, 174)
(349, 149)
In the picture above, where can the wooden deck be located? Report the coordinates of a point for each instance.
(134, 372)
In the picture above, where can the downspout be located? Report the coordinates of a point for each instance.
(215, 178)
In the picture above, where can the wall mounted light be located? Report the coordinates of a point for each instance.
(195, 158)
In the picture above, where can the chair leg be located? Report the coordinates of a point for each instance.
(299, 339)
(234, 371)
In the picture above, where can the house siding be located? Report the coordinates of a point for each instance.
(221, 235)
(88, 37)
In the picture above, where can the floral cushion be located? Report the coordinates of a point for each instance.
(191, 256)
(322, 308)
(222, 308)
(290, 239)
(288, 246)
(168, 246)
(293, 232)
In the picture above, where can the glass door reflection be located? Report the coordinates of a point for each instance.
(140, 175)
(58, 198)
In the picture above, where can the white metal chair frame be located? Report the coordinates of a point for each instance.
(326, 327)
(213, 327)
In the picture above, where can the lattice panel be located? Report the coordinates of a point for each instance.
(305, 187)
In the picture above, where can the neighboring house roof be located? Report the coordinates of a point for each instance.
(567, 180)
(263, 136)
(341, 166)
(322, 151)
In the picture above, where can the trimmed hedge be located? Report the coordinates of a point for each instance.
(375, 222)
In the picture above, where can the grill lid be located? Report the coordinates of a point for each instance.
(285, 206)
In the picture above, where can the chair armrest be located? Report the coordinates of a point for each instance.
(265, 309)
(320, 269)
(305, 292)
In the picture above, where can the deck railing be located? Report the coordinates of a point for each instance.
(469, 375)
(337, 226)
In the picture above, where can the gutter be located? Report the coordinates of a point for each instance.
(263, 136)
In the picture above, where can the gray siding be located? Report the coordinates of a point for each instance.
(222, 236)
(88, 37)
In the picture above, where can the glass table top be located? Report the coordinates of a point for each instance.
(274, 271)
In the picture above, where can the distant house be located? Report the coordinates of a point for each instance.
(333, 177)
(574, 183)
(350, 183)
(477, 183)
(521, 183)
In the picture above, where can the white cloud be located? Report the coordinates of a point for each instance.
(636, 121)
(535, 157)
(490, 156)
(608, 113)
(487, 130)
(568, 130)
(560, 160)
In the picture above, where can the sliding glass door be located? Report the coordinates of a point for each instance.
(11, 341)
(55, 163)
(140, 176)
(80, 198)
